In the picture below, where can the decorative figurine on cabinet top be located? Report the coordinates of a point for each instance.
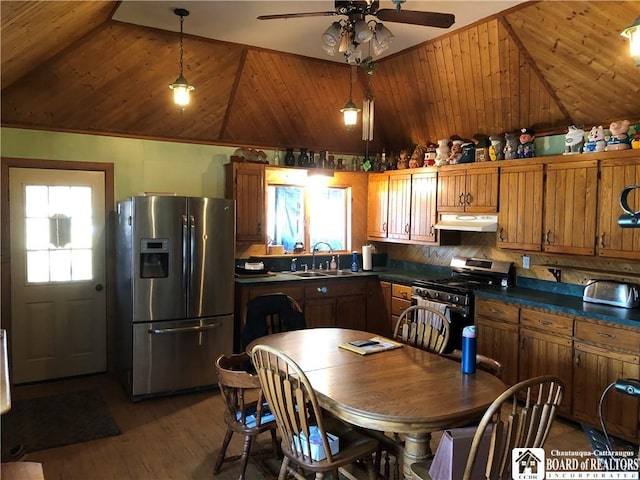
(403, 160)
(526, 148)
(456, 152)
(635, 142)
(574, 140)
(595, 140)
(496, 149)
(619, 138)
(468, 152)
(442, 152)
(511, 146)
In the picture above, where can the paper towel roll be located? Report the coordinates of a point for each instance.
(367, 263)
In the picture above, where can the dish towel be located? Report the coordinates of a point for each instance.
(431, 318)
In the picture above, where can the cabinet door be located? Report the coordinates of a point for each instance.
(451, 190)
(614, 241)
(245, 184)
(520, 217)
(399, 214)
(499, 340)
(423, 207)
(351, 312)
(377, 205)
(570, 205)
(320, 312)
(481, 190)
(594, 369)
(378, 307)
(543, 354)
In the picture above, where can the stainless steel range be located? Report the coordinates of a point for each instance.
(456, 291)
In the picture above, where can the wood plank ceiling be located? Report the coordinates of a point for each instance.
(67, 66)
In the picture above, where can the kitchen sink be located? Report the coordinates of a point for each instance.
(323, 273)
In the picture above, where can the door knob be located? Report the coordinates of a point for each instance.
(99, 287)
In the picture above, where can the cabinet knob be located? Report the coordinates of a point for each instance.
(602, 240)
(461, 199)
(384, 227)
(469, 198)
(547, 237)
(406, 228)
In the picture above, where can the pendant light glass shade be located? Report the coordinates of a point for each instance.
(632, 32)
(181, 88)
(350, 112)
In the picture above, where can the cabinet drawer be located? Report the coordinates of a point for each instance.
(398, 305)
(548, 321)
(608, 335)
(296, 292)
(497, 310)
(336, 288)
(401, 291)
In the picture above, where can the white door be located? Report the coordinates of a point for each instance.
(58, 300)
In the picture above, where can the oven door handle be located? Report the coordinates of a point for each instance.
(452, 307)
(195, 328)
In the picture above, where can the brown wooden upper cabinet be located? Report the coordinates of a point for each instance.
(569, 206)
(245, 183)
(613, 241)
(402, 206)
(570, 198)
(520, 217)
(472, 190)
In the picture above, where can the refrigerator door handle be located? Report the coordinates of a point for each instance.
(185, 253)
(192, 244)
(195, 328)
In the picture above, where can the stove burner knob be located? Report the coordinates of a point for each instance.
(436, 295)
(456, 299)
(448, 298)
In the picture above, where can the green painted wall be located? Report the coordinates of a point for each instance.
(139, 165)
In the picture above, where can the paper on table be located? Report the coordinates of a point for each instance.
(381, 344)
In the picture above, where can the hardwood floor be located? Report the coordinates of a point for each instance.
(175, 437)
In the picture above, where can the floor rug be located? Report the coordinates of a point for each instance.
(47, 422)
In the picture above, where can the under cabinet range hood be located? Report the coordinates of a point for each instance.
(467, 223)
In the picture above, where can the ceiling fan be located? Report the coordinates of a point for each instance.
(358, 10)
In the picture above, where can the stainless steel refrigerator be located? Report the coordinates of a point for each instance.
(175, 280)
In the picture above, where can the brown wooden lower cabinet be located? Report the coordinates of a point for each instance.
(604, 353)
(587, 355)
(400, 301)
(497, 333)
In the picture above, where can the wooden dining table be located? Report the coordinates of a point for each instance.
(404, 390)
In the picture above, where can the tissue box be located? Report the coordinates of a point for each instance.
(317, 448)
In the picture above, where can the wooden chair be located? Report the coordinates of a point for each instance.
(483, 362)
(296, 409)
(519, 418)
(423, 327)
(271, 313)
(242, 415)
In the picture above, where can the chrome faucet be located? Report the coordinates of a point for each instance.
(313, 253)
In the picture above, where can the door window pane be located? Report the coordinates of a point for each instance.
(59, 233)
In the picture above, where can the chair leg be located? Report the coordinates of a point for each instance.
(277, 450)
(284, 469)
(246, 453)
(223, 451)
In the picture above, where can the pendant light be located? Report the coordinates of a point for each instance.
(350, 111)
(632, 32)
(181, 88)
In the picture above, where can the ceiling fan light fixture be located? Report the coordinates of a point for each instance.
(382, 38)
(361, 32)
(332, 35)
(632, 32)
(181, 88)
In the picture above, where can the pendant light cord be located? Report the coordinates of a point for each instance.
(181, 48)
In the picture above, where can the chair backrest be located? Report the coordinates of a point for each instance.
(424, 328)
(234, 381)
(483, 362)
(519, 418)
(292, 401)
(271, 313)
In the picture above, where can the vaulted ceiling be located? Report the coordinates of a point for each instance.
(68, 66)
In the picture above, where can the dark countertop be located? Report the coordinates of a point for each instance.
(557, 302)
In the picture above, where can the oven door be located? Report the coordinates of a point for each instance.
(459, 317)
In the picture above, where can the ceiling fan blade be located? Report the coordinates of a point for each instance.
(414, 17)
(296, 15)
